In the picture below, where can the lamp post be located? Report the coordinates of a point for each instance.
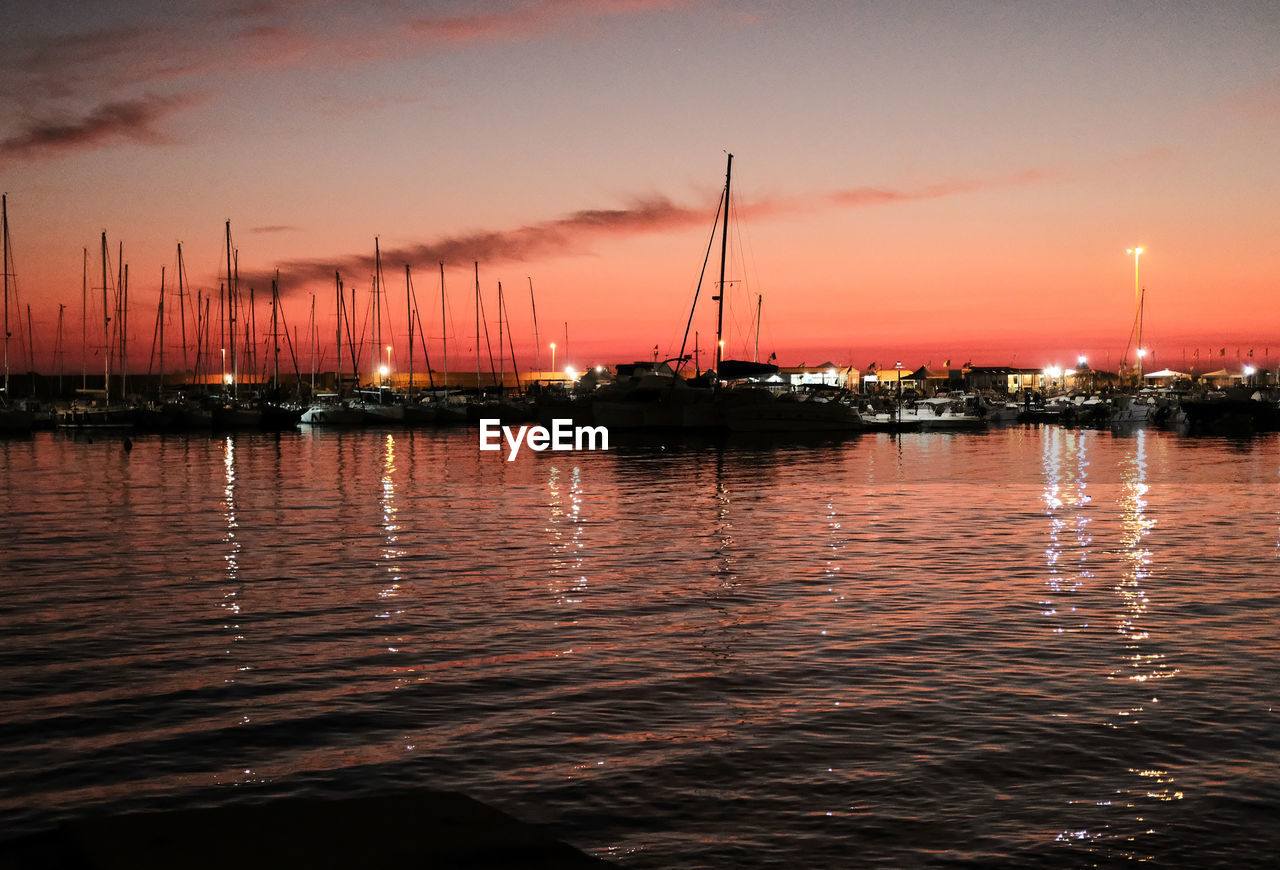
(1137, 305)
(553, 356)
(1137, 293)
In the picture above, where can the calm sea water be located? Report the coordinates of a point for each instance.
(1024, 647)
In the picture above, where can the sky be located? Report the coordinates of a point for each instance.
(914, 181)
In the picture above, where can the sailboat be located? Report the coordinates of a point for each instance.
(648, 396)
(329, 409)
(12, 420)
(95, 410)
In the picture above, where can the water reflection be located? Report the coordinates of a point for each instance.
(564, 507)
(1065, 464)
(230, 604)
(391, 551)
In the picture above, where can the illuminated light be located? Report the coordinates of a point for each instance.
(1081, 360)
(599, 370)
(569, 371)
(1142, 351)
(383, 370)
(1249, 371)
(228, 378)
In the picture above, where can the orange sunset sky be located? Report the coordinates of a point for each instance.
(919, 181)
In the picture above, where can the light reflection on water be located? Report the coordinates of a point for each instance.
(1023, 647)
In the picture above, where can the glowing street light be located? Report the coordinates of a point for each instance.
(1137, 293)
(553, 356)
(1137, 304)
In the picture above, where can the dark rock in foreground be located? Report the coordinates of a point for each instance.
(417, 829)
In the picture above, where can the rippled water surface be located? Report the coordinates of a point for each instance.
(1025, 647)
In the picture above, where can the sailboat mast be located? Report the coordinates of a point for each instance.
(312, 336)
(60, 353)
(231, 310)
(408, 305)
(377, 312)
(337, 375)
(122, 323)
(84, 321)
(724, 248)
(537, 343)
(502, 362)
(275, 332)
(182, 308)
(1142, 300)
(4, 219)
(477, 263)
(759, 305)
(106, 327)
(160, 318)
(444, 328)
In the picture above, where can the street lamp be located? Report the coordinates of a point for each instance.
(1137, 293)
(1137, 304)
(553, 356)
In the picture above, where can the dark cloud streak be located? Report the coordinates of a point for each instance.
(126, 119)
(574, 232)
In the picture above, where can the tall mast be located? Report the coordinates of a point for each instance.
(537, 343)
(477, 326)
(84, 321)
(231, 311)
(444, 328)
(251, 333)
(4, 218)
(60, 354)
(724, 247)
(31, 350)
(106, 328)
(200, 333)
(160, 318)
(408, 305)
(235, 312)
(337, 283)
(759, 305)
(122, 324)
(182, 308)
(312, 336)
(377, 312)
(502, 362)
(275, 332)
